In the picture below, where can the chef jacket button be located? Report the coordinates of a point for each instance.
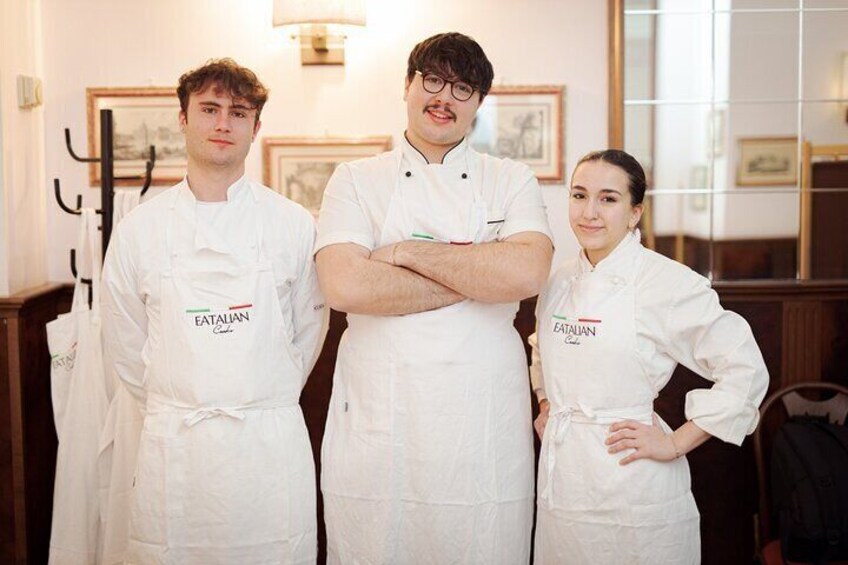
(464, 175)
(408, 174)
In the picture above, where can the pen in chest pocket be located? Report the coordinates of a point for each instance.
(428, 237)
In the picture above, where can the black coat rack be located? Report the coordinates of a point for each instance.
(107, 182)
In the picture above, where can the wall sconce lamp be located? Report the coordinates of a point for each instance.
(317, 45)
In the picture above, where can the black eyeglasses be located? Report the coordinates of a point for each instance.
(434, 84)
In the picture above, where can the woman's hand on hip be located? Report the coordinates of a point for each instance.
(650, 442)
(542, 418)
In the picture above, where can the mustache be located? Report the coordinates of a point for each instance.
(440, 109)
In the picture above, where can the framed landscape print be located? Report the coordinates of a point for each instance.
(767, 161)
(524, 123)
(299, 167)
(141, 117)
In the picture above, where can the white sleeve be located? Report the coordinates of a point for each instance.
(718, 345)
(309, 315)
(342, 218)
(124, 317)
(525, 208)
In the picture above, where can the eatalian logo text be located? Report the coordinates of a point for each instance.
(221, 321)
(573, 329)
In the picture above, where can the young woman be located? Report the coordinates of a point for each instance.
(612, 324)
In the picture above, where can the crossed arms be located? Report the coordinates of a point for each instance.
(413, 276)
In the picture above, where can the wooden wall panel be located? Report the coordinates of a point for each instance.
(828, 237)
(802, 333)
(7, 509)
(735, 259)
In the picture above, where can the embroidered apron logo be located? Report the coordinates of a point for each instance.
(572, 329)
(64, 360)
(222, 320)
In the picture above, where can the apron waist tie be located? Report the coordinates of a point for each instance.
(195, 415)
(560, 421)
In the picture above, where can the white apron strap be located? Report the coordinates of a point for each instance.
(560, 421)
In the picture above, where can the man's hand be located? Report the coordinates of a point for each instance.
(542, 418)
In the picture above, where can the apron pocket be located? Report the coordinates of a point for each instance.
(157, 489)
(367, 385)
(494, 222)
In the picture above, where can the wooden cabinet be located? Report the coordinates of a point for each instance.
(27, 432)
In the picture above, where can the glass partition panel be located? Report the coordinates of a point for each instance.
(737, 110)
(824, 50)
(681, 44)
(677, 224)
(762, 59)
(763, 4)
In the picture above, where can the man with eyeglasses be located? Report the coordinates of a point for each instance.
(427, 454)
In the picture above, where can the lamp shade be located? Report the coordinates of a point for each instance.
(295, 12)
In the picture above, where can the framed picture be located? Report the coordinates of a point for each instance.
(767, 161)
(141, 117)
(299, 167)
(525, 123)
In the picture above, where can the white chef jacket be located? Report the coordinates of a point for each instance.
(412, 471)
(679, 320)
(131, 314)
(357, 197)
(632, 318)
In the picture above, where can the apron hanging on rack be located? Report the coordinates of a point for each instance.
(79, 406)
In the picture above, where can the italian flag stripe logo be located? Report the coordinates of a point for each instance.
(210, 310)
(581, 320)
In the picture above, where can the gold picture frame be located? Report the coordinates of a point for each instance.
(767, 161)
(527, 124)
(299, 167)
(141, 116)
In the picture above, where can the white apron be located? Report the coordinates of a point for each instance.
(119, 439)
(79, 407)
(591, 510)
(427, 455)
(225, 471)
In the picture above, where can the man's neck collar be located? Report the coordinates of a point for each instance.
(440, 158)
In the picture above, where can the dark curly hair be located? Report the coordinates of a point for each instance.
(227, 75)
(453, 56)
(636, 182)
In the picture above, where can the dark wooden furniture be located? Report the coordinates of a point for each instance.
(829, 209)
(27, 432)
(735, 259)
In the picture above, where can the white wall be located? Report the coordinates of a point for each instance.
(122, 43)
(23, 259)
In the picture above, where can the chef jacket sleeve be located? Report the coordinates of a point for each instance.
(124, 316)
(342, 218)
(309, 315)
(525, 208)
(719, 346)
